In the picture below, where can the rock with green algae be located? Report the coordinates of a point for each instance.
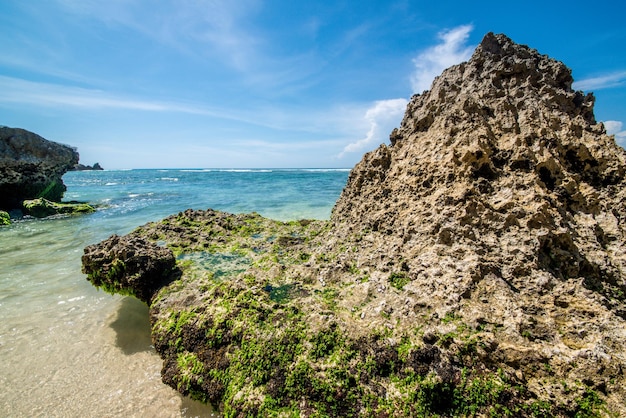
(129, 265)
(280, 337)
(41, 208)
(5, 219)
(473, 267)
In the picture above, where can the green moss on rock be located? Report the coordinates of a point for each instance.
(129, 266)
(253, 357)
(5, 219)
(41, 208)
(272, 339)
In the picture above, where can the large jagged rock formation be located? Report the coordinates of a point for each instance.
(503, 202)
(31, 167)
(474, 266)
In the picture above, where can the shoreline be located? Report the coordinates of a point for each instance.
(60, 353)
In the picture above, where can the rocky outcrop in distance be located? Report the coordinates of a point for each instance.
(31, 169)
(81, 167)
(474, 266)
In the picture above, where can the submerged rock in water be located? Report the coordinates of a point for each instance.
(474, 266)
(31, 167)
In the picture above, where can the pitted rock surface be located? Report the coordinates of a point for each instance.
(503, 201)
(129, 264)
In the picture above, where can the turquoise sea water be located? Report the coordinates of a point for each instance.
(67, 349)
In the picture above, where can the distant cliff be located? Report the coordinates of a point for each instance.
(82, 167)
(31, 167)
(476, 266)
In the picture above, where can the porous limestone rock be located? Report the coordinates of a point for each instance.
(129, 265)
(503, 203)
(476, 265)
(31, 167)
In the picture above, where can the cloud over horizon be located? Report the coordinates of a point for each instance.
(614, 127)
(451, 51)
(614, 79)
(382, 117)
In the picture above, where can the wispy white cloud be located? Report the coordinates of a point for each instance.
(349, 38)
(450, 51)
(614, 79)
(199, 27)
(381, 118)
(17, 90)
(334, 122)
(224, 36)
(614, 127)
(384, 115)
(50, 95)
(48, 71)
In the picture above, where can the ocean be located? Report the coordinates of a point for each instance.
(69, 350)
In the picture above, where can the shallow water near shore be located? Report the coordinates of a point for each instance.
(67, 349)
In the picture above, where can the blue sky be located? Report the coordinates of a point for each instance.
(268, 83)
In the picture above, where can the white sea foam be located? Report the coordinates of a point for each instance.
(74, 299)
